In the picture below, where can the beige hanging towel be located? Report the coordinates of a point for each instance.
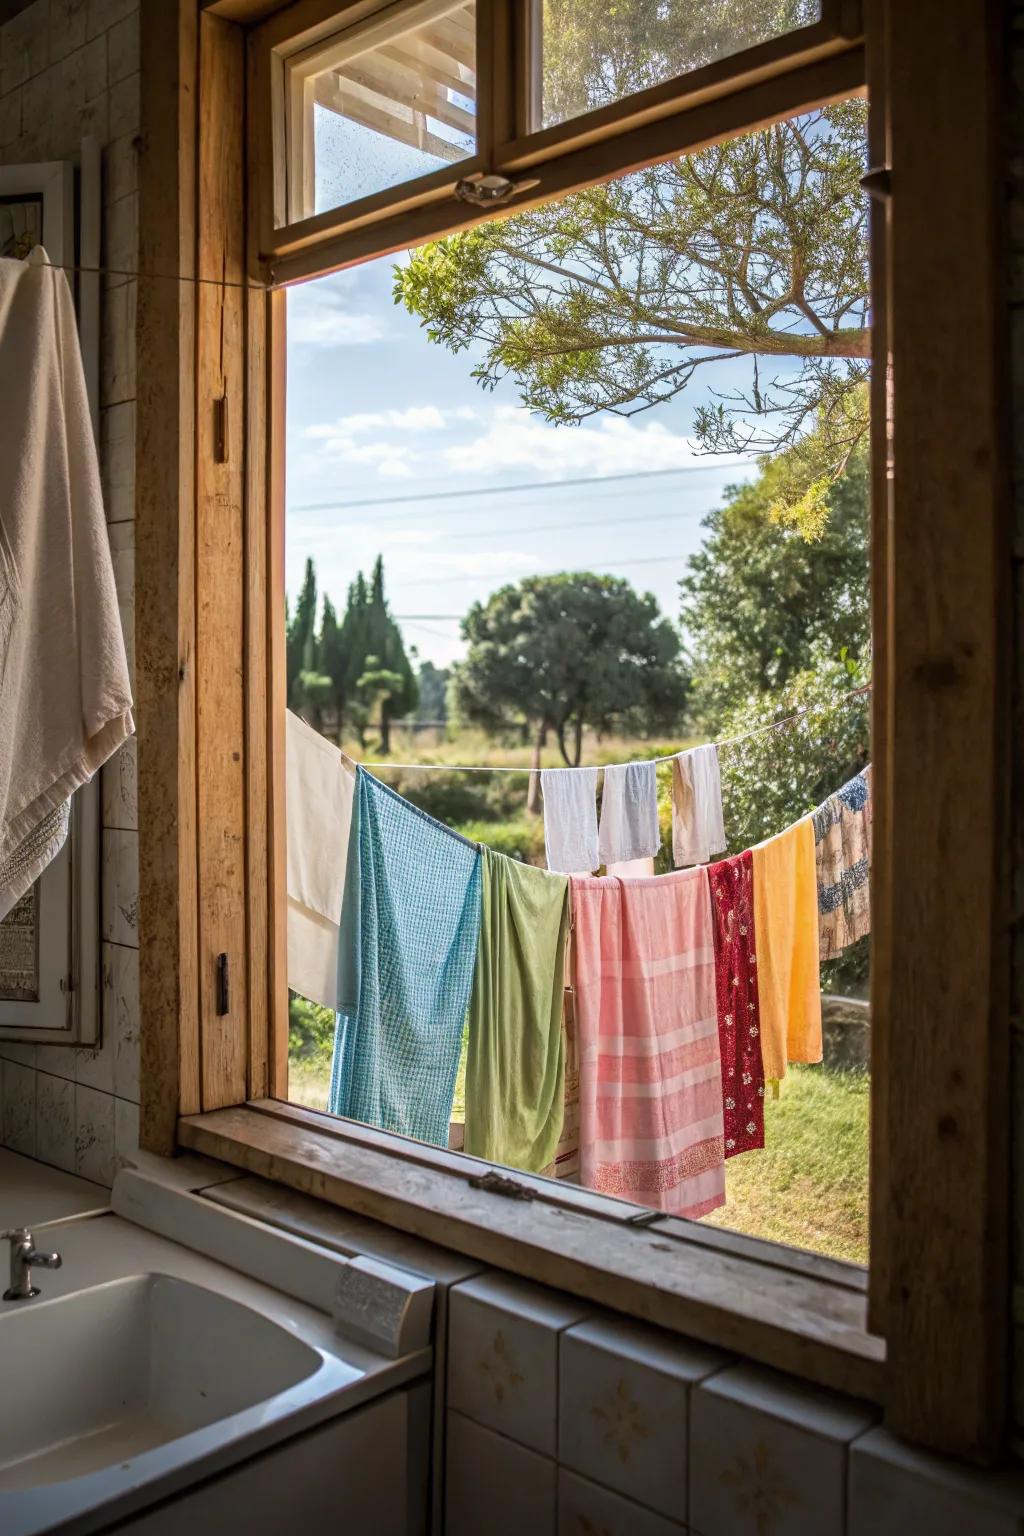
(318, 798)
(65, 698)
(698, 830)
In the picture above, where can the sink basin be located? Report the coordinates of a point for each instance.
(98, 1377)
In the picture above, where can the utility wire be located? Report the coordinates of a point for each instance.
(615, 565)
(728, 741)
(506, 490)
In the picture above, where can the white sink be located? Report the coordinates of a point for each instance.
(98, 1377)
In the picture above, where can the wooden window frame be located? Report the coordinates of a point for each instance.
(210, 549)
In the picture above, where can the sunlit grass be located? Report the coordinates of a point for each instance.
(471, 748)
(809, 1187)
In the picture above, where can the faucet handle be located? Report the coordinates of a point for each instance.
(37, 1260)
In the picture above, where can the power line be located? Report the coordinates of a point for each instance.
(615, 565)
(505, 490)
(597, 522)
(425, 629)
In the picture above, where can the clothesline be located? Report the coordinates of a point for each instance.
(161, 277)
(727, 741)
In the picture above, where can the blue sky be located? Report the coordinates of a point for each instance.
(394, 449)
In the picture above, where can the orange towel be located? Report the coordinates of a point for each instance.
(786, 934)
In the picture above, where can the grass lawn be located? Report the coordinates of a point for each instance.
(808, 1188)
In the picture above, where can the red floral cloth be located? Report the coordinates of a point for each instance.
(739, 1020)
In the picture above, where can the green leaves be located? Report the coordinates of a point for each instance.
(561, 653)
(615, 298)
(760, 600)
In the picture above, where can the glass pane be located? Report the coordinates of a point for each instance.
(391, 108)
(595, 52)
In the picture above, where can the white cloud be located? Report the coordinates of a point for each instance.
(514, 441)
(415, 418)
(343, 440)
(318, 317)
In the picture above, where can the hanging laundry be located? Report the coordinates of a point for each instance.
(629, 813)
(698, 829)
(65, 697)
(651, 1125)
(570, 819)
(566, 1162)
(786, 939)
(631, 869)
(515, 1071)
(842, 837)
(318, 799)
(407, 949)
(739, 1016)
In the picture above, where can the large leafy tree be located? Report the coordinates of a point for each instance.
(561, 653)
(759, 601)
(596, 51)
(616, 298)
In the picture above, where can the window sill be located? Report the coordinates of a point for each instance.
(788, 1309)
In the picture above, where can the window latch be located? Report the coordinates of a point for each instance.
(487, 191)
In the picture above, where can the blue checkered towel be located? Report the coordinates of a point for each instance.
(409, 931)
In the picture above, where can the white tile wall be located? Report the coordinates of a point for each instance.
(495, 1487)
(67, 68)
(769, 1455)
(585, 1509)
(624, 1409)
(503, 1358)
(895, 1490)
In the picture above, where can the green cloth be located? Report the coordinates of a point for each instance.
(515, 1070)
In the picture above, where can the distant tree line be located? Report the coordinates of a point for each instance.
(349, 674)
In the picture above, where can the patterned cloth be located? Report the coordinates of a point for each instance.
(407, 949)
(842, 838)
(739, 1016)
(650, 1068)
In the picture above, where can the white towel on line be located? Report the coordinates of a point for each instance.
(318, 804)
(629, 813)
(570, 819)
(698, 828)
(65, 697)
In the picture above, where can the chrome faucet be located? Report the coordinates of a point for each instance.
(25, 1257)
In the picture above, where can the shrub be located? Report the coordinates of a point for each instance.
(310, 1030)
(522, 838)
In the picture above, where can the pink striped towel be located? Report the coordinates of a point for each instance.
(650, 1067)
